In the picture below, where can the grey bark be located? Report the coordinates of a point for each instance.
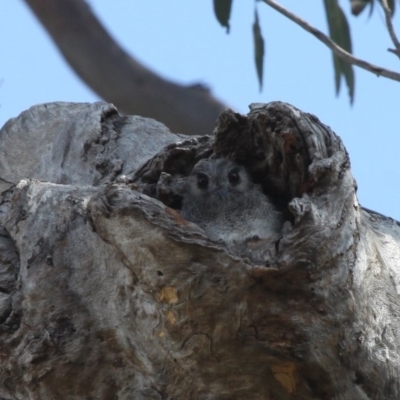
(107, 292)
(119, 78)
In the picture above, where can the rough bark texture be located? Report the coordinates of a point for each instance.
(107, 292)
(117, 77)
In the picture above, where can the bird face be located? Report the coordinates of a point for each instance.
(221, 198)
(219, 178)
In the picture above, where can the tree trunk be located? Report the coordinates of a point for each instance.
(107, 292)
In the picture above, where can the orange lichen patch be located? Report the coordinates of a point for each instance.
(168, 294)
(285, 373)
(177, 216)
(171, 317)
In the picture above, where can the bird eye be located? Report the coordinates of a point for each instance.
(234, 177)
(202, 181)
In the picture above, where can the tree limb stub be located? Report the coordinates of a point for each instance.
(107, 291)
(118, 78)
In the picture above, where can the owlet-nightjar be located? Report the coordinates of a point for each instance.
(221, 198)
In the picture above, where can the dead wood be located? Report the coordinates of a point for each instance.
(107, 292)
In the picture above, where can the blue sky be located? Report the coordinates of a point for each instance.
(183, 42)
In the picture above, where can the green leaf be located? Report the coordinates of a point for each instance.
(371, 9)
(358, 6)
(338, 73)
(222, 10)
(258, 49)
(339, 32)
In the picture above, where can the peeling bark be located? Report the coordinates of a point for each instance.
(107, 292)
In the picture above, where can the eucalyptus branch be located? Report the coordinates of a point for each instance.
(340, 52)
(117, 77)
(389, 24)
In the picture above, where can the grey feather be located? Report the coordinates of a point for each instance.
(221, 198)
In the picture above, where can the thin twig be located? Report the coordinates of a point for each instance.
(343, 54)
(389, 24)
